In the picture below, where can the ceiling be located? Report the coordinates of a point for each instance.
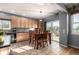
(33, 10)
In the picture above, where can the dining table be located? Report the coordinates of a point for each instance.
(39, 37)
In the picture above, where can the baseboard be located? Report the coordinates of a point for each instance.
(63, 45)
(60, 43)
(55, 41)
(73, 46)
(4, 46)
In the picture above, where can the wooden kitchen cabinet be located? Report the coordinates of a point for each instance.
(34, 24)
(26, 23)
(22, 37)
(13, 21)
(30, 25)
(18, 22)
(21, 22)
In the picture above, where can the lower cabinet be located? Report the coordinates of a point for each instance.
(22, 37)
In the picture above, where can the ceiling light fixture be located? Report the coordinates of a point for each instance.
(40, 11)
(40, 20)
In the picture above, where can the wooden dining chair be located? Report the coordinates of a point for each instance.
(45, 39)
(31, 37)
(38, 41)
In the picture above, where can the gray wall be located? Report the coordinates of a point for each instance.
(62, 17)
(4, 16)
(66, 37)
(74, 41)
(73, 38)
(63, 28)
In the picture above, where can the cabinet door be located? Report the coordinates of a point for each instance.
(18, 22)
(39, 24)
(22, 23)
(22, 37)
(13, 21)
(26, 23)
(34, 24)
(29, 23)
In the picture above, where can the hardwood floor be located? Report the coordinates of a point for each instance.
(22, 48)
(60, 50)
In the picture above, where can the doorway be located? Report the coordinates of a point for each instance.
(53, 28)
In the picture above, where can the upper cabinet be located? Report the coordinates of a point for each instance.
(35, 24)
(13, 21)
(21, 22)
(18, 22)
(26, 23)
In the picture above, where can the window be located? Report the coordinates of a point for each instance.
(53, 28)
(48, 25)
(5, 24)
(75, 23)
